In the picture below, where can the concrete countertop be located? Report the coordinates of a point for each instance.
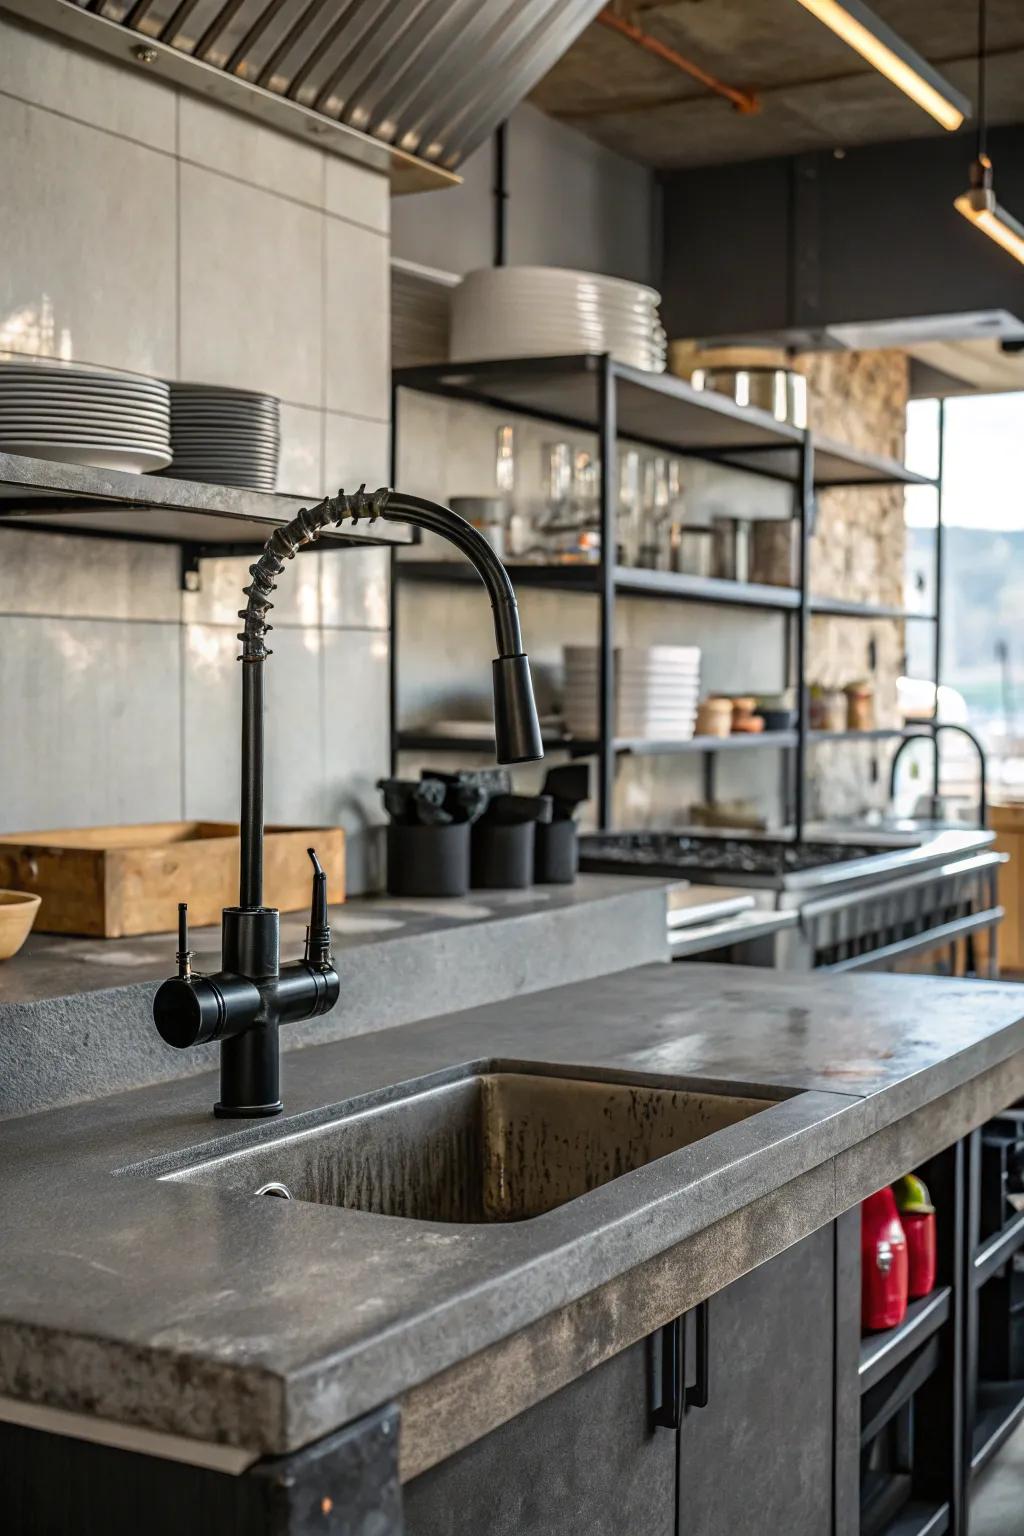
(76, 1014)
(266, 1324)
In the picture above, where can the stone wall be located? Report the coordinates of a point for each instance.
(857, 552)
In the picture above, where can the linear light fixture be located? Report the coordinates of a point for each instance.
(886, 51)
(978, 203)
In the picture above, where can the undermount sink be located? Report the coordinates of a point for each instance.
(498, 1146)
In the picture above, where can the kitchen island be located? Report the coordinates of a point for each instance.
(150, 1300)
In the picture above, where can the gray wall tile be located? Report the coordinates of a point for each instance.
(221, 596)
(357, 194)
(251, 266)
(226, 141)
(121, 98)
(356, 742)
(68, 577)
(355, 452)
(355, 588)
(89, 221)
(300, 468)
(356, 325)
(83, 743)
(294, 786)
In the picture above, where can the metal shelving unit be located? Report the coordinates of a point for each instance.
(596, 394)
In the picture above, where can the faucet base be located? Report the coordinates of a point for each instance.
(246, 1111)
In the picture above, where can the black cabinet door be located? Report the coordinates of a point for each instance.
(758, 1456)
(586, 1461)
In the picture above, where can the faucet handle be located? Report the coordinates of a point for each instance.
(184, 955)
(318, 934)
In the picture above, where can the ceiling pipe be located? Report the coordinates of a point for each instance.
(743, 101)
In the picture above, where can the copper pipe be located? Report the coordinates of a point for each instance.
(743, 101)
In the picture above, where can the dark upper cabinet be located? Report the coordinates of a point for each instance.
(586, 1461)
(759, 1455)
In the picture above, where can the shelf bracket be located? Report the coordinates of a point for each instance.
(190, 571)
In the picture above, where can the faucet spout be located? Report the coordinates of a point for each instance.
(516, 727)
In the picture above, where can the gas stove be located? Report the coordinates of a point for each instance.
(880, 904)
(764, 861)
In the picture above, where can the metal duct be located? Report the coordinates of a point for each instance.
(409, 86)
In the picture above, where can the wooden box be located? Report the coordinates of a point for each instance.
(109, 882)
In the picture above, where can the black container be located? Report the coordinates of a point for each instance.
(428, 861)
(502, 856)
(556, 852)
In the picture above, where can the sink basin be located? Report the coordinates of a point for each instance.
(497, 1146)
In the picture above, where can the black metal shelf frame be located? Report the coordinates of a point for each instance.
(596, 394)
(881, 1353)
(993, 1408)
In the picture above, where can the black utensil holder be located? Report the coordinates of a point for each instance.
(502, 856)
(556, 853)
(428, 861)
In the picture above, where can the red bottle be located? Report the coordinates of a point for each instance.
(883, 1269)
(918, 1217)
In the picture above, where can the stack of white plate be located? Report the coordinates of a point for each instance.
(108, 420)
(657, 689)
(550, 311)
(225, 436)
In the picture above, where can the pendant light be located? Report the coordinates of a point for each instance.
(978, 203)
(886, 51)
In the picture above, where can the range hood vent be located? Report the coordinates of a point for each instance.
(407, 86)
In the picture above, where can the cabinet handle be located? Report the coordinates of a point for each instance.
(697, 1395)
(668, 1413)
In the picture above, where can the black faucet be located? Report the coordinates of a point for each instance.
(243, 1004)
(931, 731)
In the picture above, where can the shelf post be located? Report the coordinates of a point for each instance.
(938, 600)
(393, 598)
(802, 622)
(607, 448)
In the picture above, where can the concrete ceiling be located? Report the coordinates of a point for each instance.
(815, 92)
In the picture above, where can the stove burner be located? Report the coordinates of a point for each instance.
(720, 855)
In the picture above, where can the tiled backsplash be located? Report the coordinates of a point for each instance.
(149, 230)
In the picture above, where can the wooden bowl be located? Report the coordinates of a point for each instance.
(18, 911)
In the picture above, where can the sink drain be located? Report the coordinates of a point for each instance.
(280, 1191)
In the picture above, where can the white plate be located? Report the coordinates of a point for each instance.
(478, 309)
(542, 322)
(590, 728)
(677, 700)
(225, 392)
(554, 339)
(237, 482)
(210, 441)
(82, 439)
(73, 384)
(113, 421)
(660, 666)
(514, 278)
(58, 371)
(223, 411)
(244, 452)
(637, 652)
(134, 461)
(86, 398)
(82, 419)
(227, 440)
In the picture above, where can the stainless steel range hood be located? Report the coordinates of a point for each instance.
(407, 86)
